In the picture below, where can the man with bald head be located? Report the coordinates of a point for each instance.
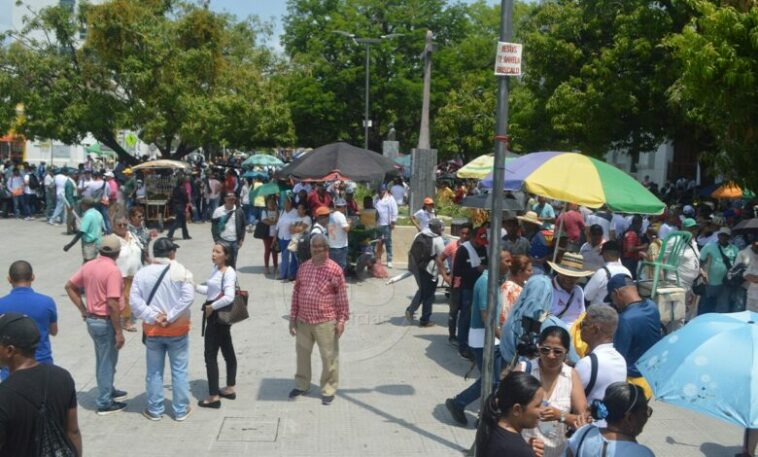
(41, 308)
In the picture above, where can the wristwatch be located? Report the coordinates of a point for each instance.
(562, 420)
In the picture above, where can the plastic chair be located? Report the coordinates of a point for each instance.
(668, 259)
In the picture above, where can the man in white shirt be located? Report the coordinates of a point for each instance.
(598, 327)
(596, 292)
(568, 297)
(60, 198)
(601, 218)
(337, 229)
(398, 192)
(619, 224)
(426, 273)
(590, 251)
(750, 256)
(669, 225)
(386, 216)
(228, 224)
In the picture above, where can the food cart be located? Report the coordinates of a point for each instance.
(160, 178)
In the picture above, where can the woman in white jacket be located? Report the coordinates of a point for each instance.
(219, 289)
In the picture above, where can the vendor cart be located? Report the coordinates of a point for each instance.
(160, 178)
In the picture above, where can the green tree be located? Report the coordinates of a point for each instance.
(179, 75)
(716, 88)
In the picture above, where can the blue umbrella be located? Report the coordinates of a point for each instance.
(255, 174)
(710, 366)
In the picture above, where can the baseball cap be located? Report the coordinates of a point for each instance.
(162, 246)
(110, 244)
(382, 187)
(108, 174)
(619, 281)
(18, 330)
(724, 231)
(321, 211)
(340, 202)
(689, 223)
(428, 201)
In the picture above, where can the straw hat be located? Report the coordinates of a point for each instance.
(530, 217)
(572, 264)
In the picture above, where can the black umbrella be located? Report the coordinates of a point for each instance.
(748, 224)
(355, 163)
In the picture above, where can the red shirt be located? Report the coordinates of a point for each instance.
(573, 224)
(230, 184)
(315, 201)
(631, 240)
(101, 279)
(320, 294)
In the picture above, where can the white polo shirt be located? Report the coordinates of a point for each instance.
(597, 287)
(567, 306)
(611, 367)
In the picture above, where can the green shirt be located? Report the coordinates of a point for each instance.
(716, 267)
(69, 190)
(92, 226)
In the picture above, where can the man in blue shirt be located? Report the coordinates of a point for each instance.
(639, 325)
(41, 308)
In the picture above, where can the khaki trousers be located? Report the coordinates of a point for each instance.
(324, 335)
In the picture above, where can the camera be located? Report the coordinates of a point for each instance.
(526, 346)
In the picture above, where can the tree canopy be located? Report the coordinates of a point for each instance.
(180, 76)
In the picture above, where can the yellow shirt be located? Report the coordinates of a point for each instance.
(259, 201)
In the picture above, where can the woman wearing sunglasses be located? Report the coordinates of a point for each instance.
(626, 412)
(565, 401)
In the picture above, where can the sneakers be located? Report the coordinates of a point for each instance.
(184, 416)
(118, 395)
(389, 264)
(327, 400)
(294, 393)
(408, 315)
(114, 407)
(151, 416)
(426, 324)
(456, 411)
(453, 341)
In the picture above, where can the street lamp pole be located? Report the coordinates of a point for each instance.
(367, 42)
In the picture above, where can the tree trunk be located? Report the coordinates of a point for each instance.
(109, 140)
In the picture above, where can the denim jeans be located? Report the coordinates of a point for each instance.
(212, 205)
(339, 255)
(427, 285)
(60, 210)
(288, 264)
(177, 349)
(106, 358)
(464, 319)
(248, 209)
(28, 205)
(720, 299)
(385, 232)
(18, 203)
(474, 391)
(106, 220)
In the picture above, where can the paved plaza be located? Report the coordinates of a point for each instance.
(394, 377)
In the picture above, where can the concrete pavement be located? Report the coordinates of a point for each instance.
(394, 377)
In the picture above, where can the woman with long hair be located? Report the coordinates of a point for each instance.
(566, 403)
(220, 290)
(625, 411)
(269, 216)
(515, 406)
(520, 271)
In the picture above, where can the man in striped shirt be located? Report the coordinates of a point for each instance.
(318, 315)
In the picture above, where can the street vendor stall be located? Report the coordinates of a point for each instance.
(160, 178)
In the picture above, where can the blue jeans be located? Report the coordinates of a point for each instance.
(28, 205)
(106, 358)
(288, 264)
(464, 319)
(212, 205)
(106, 220)
(248, 209)
(427, 285)
(385, 232)
(60, 210)
(18, 202)
(339, 255)
(474, 391)
(720, 299)
(177, 348)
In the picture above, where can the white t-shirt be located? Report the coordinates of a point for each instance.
(574, 299)
(689, 265)
(591, 255)
(230, 229)
(286, 219)
(423, 217)
(337, 230)
(595, 219)
(269, 214)
(398, 193)
(619, 225)
(611, 367)
(60, 184)
(664, 230)
(597, 287)
(749, 258)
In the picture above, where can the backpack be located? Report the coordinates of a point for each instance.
(303, 250)
(33, 181)
(50, 440)
(421, 252)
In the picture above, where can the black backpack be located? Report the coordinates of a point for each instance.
(421, 252)
(50, 440)
(304, 246)
(33, 181)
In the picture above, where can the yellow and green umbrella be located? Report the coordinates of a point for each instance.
(480, 167)
(580, 179)
(731, 190)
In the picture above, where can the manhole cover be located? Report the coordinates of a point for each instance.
(249, 429)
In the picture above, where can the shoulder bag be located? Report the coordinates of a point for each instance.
(237, 310)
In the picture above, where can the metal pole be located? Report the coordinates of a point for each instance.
(365, 122)
(501, 130)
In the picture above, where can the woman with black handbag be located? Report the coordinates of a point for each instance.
(222, 286)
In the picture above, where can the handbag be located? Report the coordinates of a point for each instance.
(735, 273)
(698, 286)
(275, 245)
(261, 230)
(292, 246)
(237, 310)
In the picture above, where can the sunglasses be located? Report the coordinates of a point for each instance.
(558, 352)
